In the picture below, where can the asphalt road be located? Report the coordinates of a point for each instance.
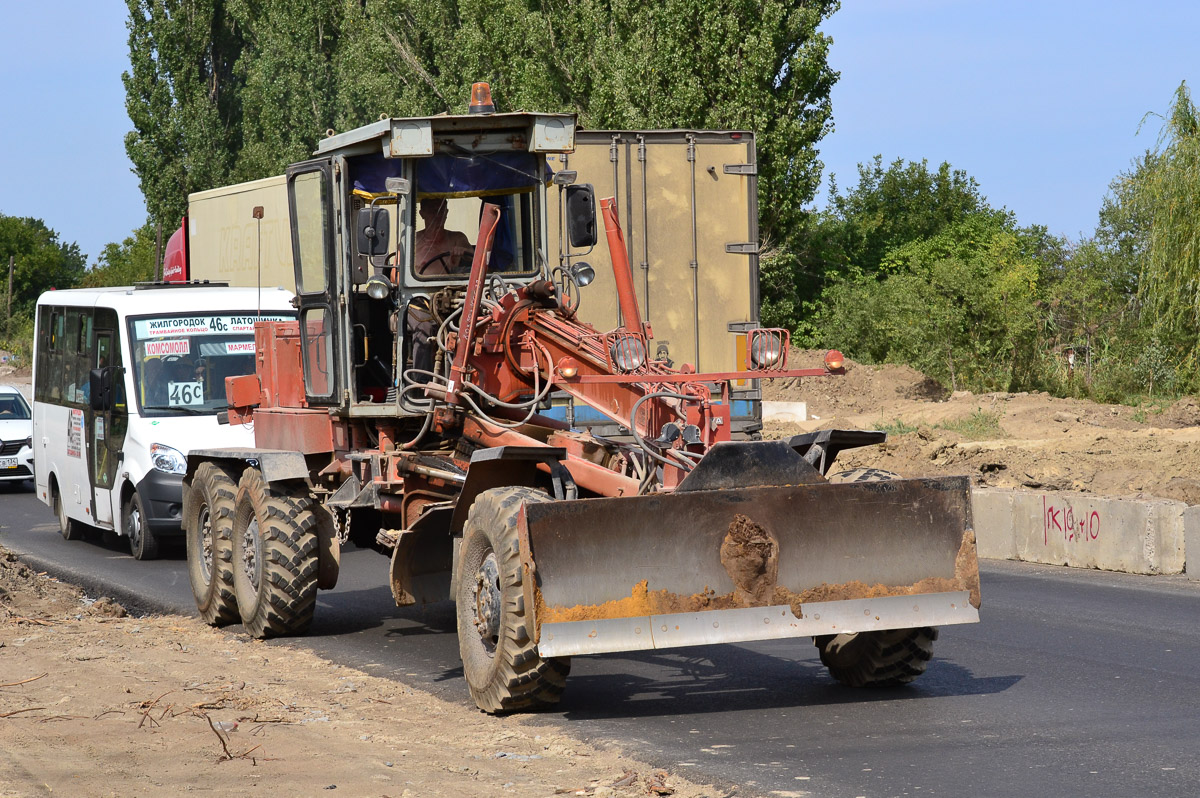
(1076, 683)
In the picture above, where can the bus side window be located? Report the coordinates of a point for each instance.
(50, 360)
(84, 352)
(71, 356)
(108, 352)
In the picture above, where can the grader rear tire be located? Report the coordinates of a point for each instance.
(209, 533)
(500, 660)
(876, 659)
(274, 557)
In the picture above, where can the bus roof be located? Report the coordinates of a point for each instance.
(128, 300)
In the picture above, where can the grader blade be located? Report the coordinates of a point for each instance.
(752, 563)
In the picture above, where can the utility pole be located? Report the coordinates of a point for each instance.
(8, 318)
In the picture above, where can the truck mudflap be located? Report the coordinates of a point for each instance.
(748, 563)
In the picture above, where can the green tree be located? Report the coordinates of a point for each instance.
(1164, 196)
(224, 90)
(286, 79)
(905, 202)
(126, 263)
(888, 208)
(41, 261)
(183, 98)
(962, 306)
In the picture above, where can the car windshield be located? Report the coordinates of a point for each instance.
(13, 406)
(180, 361)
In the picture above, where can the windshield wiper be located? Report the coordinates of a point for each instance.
(195, 411)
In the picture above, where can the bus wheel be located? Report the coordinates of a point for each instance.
(143, 545)
(69, 527)
(208, 529)
(274, 557)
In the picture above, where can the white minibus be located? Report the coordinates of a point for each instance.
(126, 381)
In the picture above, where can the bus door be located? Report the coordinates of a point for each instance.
(106, 428)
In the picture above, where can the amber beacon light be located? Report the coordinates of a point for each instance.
(481, 99)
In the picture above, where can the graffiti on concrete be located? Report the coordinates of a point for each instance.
(1061, 521)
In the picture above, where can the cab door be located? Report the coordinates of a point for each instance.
(312, 190)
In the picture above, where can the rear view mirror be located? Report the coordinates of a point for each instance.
(372, 230)
(100, 384)
(581, 215)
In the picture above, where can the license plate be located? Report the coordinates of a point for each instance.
(8, 462)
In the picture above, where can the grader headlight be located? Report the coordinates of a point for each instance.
(628, 353)
(768, 348)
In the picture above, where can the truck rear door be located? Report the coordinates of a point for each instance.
(689, 210)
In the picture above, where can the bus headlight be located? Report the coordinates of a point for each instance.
(164, 458)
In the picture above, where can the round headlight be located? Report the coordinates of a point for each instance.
(379, 287)
(583, 274)
(628, 354)
(765, 351)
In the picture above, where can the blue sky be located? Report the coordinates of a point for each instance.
(1039, 101)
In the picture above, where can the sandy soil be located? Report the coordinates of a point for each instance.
(96, 703)
(1035, 441)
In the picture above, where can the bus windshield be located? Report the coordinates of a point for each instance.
(180, 361)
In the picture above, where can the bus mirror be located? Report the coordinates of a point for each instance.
(100, 388)
(373, 226)
(581, 215)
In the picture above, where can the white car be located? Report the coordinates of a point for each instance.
(16, 436)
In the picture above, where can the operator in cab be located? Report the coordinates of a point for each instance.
(438, 250)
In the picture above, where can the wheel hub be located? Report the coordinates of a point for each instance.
(134, 527)
(250, 553)
(487, 602)
(206, 545)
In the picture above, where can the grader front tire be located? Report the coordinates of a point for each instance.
(274, 557)
(500, 660)
(876, 659)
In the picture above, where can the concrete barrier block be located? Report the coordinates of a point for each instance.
(993, 512)
(1141, 536)
(792, 412)
(1191, 541)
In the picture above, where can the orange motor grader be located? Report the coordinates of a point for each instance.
(405, 411)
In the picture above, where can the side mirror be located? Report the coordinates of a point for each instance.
(372, 230)
(581, 215)
(100, 384)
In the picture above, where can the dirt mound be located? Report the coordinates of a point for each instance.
(860, 389)
(1019, 440)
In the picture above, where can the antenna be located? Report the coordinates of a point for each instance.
(258, 215)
